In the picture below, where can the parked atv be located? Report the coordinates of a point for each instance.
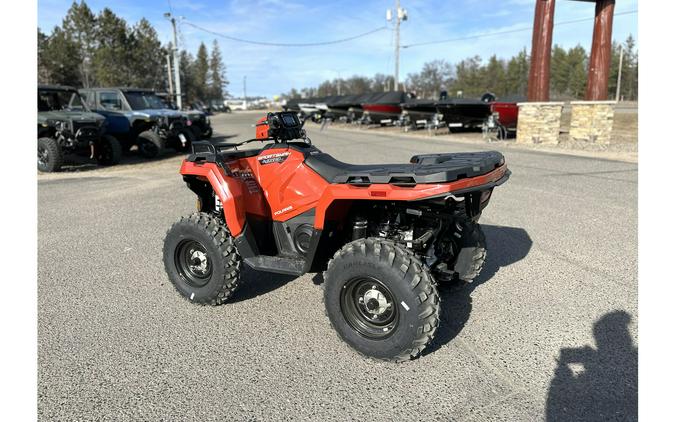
(67, 126)
(384, 234)
(137, 116)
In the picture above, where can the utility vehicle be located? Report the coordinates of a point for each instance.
(66, 126)
(383, 234)
(137, 116)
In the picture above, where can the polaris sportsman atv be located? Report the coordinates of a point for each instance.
(384, 234)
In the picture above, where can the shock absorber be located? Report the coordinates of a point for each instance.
(360, 228)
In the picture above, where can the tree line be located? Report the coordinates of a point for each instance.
(473, 77)
(99, 50)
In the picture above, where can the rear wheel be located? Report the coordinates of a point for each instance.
(108, 151)
(49, 154)
(201, 260)
(150, 144)
(381, 300)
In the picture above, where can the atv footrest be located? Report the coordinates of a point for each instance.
(277, 264)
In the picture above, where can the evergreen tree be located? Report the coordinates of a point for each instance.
(559, 72)
(61, 58)
(43, 46)
(112, 63)
(629, 86)
(148, 57)
(80, 24)
(201, 72)
(187, 78)
(219, 82)
(469, 77)
(494, 77)
(577, 68)
(517, 74)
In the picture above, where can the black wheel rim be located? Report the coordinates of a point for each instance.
(148, 148)
(369, 307)
(43, 156)
(193, 263)
(105, 151)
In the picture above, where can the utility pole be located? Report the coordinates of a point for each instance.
(339, 82)
(245, 103)
(168, 70)
(618, 78)
(401, 15)
(176, 67)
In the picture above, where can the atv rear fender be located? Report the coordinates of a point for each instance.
(227, 188)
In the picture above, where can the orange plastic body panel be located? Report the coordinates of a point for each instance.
(262, 128)
(277, 184)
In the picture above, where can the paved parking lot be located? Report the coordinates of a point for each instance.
(548, 331)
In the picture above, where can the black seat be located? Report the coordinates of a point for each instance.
(335, 171)
(429, 168)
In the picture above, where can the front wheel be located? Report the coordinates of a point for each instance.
(108, 151)
(381, 300)
(184, 139)
(49, 154)
(150, 144)
(201, 259)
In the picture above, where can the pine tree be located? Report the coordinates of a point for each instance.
(559, 72)
(43, 46)
(112, 63)
(219, 82)
(201, 73)
(148, 57)
(80, 24)
(494, 77)
(187, 77)
(517, 73)
(577, 65)
(61, 58)
(629, 87)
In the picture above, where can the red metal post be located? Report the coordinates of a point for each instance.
(540, 62)
(601, 51)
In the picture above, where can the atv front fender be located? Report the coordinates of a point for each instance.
(228, 189)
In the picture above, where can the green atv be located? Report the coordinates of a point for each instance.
(67, 126)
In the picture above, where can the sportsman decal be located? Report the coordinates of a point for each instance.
(279, 157)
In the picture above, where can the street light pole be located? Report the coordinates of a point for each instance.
(176, 67)
(397, 43)
(245, 103)
(168, 69)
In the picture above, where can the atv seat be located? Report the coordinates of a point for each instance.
(427, 168)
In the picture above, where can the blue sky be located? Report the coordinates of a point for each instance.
(272, 70)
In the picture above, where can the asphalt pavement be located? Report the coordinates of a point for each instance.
(548, 331)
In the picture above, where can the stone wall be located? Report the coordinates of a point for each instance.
(539, 123)
(592, 121)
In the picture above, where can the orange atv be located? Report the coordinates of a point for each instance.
(384, 234)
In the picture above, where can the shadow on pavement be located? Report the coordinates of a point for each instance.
(257, 283)
(80, 163)
(597, 384)
(505, 246)
(76, 163)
